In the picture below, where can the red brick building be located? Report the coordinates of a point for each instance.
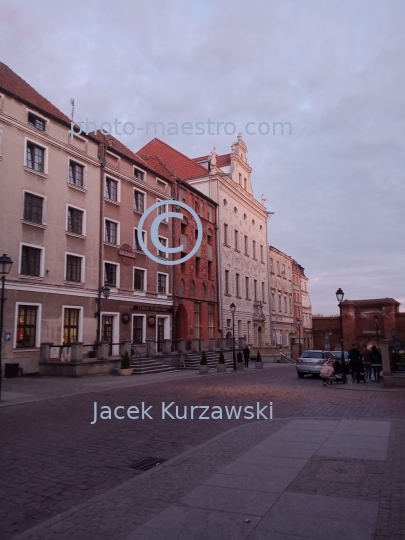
(195, 291)
(359, 324)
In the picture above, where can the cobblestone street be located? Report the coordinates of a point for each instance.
(53, 459)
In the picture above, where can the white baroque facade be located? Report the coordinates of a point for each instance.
(242, 241)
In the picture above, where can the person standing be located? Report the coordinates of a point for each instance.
(246, 355)
(356, 365)
(366, 354)
(376, 362)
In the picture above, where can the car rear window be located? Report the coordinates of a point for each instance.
(311, 354)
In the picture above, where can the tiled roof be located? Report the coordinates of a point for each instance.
(182, 166)
(12, 84)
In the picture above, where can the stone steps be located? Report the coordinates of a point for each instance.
(192, 360)
(143, 366)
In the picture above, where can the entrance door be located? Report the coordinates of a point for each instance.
(107, 331)
(160, 333)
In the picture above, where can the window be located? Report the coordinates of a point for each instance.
(225, 234)
(31, 261)
(240, 178)
(245, 183)
(279, 303)
(162, 254)
(273, 301)
(237, 285)
(73, 268)
(210, 320)
(271, 264)
(254, 248)
(33, 207)
(183, 267)
(181, 287)
(240, 329)
(139, 201)
(26, 326)
(137, 245)
(197, 266)
(263, 295)
(192, 289)
(161, 185)
(246, 246)
(110, 274)
(197, 319)
(247, 287)
(140, 175)
(278, 268)
(71, 318)
(283, 270)
(36, 121)
(111, 232)
(210, 270)
(111, 189)
(290, 306)
(161, 210)
(75, 220)
(285, 304)
(162, 283)
(76, 174)
(226, 281)
(35, 157)
(137, 329)
(203, 291)
(209, 208)
(255, 288)
(261, 253)
(212, 293)
(139, 279)
(236, 239)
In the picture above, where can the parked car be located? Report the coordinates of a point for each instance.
(311, 362)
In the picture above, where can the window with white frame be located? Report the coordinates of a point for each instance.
(76, 174)
(139, 201)
(163, 241)
(137, 245)
(74, 268)
(71, 325)
(35, 158)
(138, 328)
(31, 260)
(75, 220)
(161, 210)
(139, 174)
(33, 208)
(111, 232)
(111, 275)
(27, 326)
(36, 121)
(162, 283)
(139, 279)
(111, 189)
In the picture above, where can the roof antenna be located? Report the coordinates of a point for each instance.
(72, 102)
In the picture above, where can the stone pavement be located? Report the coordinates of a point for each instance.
(63, 478)
(306, 479)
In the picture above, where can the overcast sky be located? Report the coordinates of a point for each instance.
(334, 70)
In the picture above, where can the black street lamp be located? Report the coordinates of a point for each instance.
(233, 308)
(376, 331)
(105, 291)
(340, 295)
(5, 267)
(298, 321)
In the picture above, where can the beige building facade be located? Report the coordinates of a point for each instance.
(281, 298)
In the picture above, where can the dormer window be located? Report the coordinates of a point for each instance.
(36, 121)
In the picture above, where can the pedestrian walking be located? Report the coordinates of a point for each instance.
(246, 355)
(366, 354)
(356, 365)
(376, 362)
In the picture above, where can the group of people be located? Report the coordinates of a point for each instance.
(361, 364)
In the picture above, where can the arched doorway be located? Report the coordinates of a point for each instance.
(181, 322)
(228, 340)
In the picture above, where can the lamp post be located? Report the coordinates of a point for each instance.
(298, 321)
(5, 267)
(105, 291)
(233, 308)
(340, 295)
(376, 330)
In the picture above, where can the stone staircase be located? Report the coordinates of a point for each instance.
(192, 360)
(144, 365)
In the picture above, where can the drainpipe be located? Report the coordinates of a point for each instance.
(101, 157)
